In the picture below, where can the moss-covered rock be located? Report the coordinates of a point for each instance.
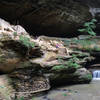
(84, 43)
(81, 75)
(84, 75)
(31, 67)
(7, 92)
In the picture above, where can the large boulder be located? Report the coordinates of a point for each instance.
(81, 75)
(12, 40)
(16, 50)
(48, 17)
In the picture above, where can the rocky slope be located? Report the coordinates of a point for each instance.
(31, 65)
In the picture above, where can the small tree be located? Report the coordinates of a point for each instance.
(89, 27)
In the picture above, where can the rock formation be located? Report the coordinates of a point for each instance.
(31, 65)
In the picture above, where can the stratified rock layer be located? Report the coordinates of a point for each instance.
(33, 64)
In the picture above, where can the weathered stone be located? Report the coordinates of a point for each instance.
(15, 45)
(81, 75)
(16, 55)
(84, 75)
(6, 90)
(28, 81)
(56, 59)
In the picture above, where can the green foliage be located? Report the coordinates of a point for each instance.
(59, 67)
(88, 44)
(96, 48)
(15, 33)
(89, 27)
(64, 94)
(33, 99)
(21, 98)
(71, 63)
(87, 77)
(26, 41)
(84, 42)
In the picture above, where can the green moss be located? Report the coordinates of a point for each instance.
(96, 48)
(73, 65)
(88, 76)
(15, 34)
(26, 41)
(21, 98)
(89, 45)
(83, 54)
(59, 68)
(84, 42)
(67, 65)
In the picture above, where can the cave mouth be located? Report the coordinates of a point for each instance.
(38, 30)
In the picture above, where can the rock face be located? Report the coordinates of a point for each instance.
(47, 17)
(6, 90)
(33, 64)
(10, 54)
(81, 75)
(16, 47)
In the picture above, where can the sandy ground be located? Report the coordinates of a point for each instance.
(74, 92)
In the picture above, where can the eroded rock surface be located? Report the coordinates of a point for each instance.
(33, 64)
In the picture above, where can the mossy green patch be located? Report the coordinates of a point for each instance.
(88, 76)
(89, 45)
(66, 65)
(26, 41)
(59, 68)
